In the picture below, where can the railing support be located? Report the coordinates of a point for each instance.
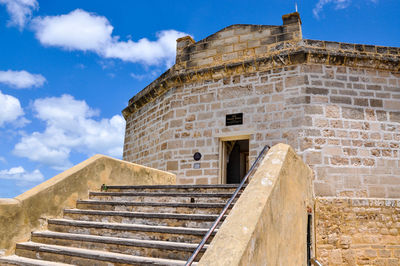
(315, 262)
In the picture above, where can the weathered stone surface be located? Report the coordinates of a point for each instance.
(357, 231)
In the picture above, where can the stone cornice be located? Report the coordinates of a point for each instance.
(277, 55)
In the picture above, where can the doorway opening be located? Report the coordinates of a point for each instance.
(234, 161)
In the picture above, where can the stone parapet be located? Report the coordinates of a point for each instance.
(235, 43)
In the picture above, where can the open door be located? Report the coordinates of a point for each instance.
(234, 160)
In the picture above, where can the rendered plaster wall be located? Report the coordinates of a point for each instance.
(268, 224)
(357, 231)
(29, 211)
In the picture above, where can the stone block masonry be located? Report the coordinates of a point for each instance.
(165, 134)
(353, 134)
(356, 231)
(326, 113)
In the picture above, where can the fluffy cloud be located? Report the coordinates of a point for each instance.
(338, 4)
(80, 30)
(163, 50)
(10, 110)
(70, 127)
(20, 174)
(20, 11)
(21, 79)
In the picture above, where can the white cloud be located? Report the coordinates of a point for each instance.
(78, 30)
(70, 127)
(338, 4)
(10, 109)
(141, 77)
(84, 31)
(163, 50)
(20, 174)
(21, 79)
(20, 11)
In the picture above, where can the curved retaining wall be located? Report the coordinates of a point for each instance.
(30, 210)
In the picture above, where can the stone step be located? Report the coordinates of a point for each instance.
(160, 207)
(136, 247)
(175, 188)
(138, 231)
(165, 219)
(177, 197)
(17, 260)
(80, 256)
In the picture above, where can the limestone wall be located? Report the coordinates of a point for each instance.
(165, 133)
(30, 210)
(352, 131)
(356, 231)
(344, 121)
(268, 224)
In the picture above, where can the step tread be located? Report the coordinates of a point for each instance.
(161, 194)
(175, 186)
(120, 241)
(144, 214)
(18, 260)
(161, 204)
(97, 254)
(136, 227)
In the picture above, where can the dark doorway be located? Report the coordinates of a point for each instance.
(238, 162)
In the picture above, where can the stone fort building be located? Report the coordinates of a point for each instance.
(245, 86)
(336, 104)
(201, 124)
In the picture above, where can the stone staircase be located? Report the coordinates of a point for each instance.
(127, 225)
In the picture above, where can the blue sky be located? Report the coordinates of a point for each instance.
(68, 68)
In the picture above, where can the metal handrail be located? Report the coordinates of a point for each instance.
(314, 261)
(228, 204)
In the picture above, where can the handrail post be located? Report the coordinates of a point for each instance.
(228, 204)
(315, 262)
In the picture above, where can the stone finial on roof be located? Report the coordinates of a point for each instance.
(181, 44)
(291, 18)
